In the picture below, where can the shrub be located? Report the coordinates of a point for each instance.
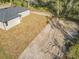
(73, 52)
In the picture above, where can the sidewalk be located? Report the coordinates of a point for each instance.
(5, 5)
(41, 13)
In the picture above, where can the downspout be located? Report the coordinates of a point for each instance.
(3, 21)
(4, 26)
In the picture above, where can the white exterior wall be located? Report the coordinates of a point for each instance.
(12, 23)
(25, 13)
(2, 25)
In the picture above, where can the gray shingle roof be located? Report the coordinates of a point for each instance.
(10, 13)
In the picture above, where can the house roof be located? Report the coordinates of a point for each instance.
(10, 13)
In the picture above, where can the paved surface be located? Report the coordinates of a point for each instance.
(5, 5)
(41, 13)
(45, 45)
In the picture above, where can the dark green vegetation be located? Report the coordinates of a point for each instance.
(73, 52)
(72, 48)
(60, 8)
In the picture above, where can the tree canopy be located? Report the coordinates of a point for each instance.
(73, 52)
(64, 8)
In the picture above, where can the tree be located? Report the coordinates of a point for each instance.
(73, 52)
(60, 8)
(64, 8)
(55, 7)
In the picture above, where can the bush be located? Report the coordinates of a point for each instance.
(18, 3)
(73, 48)
(73, 52)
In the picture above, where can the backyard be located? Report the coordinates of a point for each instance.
(62, 15)
(14, 41)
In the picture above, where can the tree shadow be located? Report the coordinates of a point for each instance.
(72, 19)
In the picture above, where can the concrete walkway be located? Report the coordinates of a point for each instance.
(44, 45)
(41, 13)
(5, 5)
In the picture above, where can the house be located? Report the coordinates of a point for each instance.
(11, 16)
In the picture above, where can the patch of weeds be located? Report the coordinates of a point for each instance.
(4, 54)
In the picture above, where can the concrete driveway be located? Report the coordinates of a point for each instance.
(44, 46)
